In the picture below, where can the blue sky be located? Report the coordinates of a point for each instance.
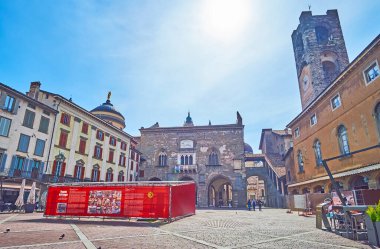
(163, 58)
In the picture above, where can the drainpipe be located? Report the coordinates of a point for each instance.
(51, 139)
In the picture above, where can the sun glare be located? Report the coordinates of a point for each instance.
(225, 20)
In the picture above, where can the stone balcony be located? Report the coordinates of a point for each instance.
(189, 169)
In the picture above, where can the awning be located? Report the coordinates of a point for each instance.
(338, 175)
(15, 186)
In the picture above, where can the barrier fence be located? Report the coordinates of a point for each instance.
(158, 200)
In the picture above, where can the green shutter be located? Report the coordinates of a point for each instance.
(3, 162)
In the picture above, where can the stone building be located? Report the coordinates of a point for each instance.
(210, 155)
(26, 126)
(86, 146)
(319, 51)
(342, 121)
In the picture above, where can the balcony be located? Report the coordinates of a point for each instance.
(188, 169)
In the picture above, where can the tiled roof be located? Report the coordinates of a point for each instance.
(276, 163)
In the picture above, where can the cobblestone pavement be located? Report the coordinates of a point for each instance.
(271, 228)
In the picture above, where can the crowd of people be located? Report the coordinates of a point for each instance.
(251, 204)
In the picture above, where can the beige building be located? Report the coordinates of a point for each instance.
(87, 146)
(26, 126)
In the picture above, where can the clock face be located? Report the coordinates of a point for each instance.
(185, 144)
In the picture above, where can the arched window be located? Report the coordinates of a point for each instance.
(300, 162)
(299, 43)
(120, 177)
(329, 70)
(109, 175)
(318, 152)
(190, 160)
(377, 117)
(95, 174)
(322, 34)
(213, 158)
(162, 159)
(343, 140)
(182, 160)
(186, 160)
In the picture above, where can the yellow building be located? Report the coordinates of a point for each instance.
(86, 146)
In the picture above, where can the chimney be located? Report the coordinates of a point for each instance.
(34, 89)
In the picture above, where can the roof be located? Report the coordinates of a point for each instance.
(340, 174)
(286, 132)
(27, 98)
(339, 79)
(88, 113)
(107, 107)
(276, 163)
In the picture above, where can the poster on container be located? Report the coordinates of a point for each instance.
(113, 201)
(348, 194)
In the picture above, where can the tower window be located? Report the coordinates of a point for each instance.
(313, 119)
(343, 140)
(371, 73)
(329, 71)
(322, 35)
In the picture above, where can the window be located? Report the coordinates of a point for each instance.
(131, 165)
(141, 173)
(40, 146)
(122, 160)
(300, 162)
(186, 160)
(377, 117)
(95, 174)
(109, 175)
(82, 146)
(343, 140)
(318, 152)
(371, 73)
(297, 132)
(213, 158)
(79, 172)
(23, 143)
(335, 102)
(19, 166)
(84, 128)
(130, 178)
(110, 156)
(289, 176)
(44, 125)
(120, 177)
(112, 141)
(162, 159)
(313, 120)
(59, 168)
(98, 152)
(35, 168)
(123, 146)
(9, 104)
(100, 135)
(65, 119)
(63, 139)
(322, 34)
(5, 124)
(29, 119)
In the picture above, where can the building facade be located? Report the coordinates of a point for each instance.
(343, 121)
(26, 126)
(210, 155)
(86, 146)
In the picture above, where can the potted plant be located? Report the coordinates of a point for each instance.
(372, 221)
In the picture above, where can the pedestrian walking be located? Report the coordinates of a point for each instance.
(259, 203)
(254, 204)
(249, 204)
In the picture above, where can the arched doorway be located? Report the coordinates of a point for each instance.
(155, 179)
(256, 188)
(305, 190)
(220, 192)
(318, 189)
(331, 188)
(294, 192)
(189, 179)
(359, 182)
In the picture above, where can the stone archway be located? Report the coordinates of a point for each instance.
(358, 182)
(256, 188)
(220, 192)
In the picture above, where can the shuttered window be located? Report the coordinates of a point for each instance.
(29, 119)
(44, 125)
(23, 143)
(40, 146)
(5, 124)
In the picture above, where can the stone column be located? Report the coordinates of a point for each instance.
(70, 164)
(90, 152)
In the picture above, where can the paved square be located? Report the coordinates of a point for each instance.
(271, 228)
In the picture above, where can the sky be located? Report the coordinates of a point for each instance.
(161, 59)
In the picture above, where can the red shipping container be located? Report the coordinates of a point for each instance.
(159, 200)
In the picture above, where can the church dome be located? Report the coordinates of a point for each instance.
(108, 113)
(248, 148)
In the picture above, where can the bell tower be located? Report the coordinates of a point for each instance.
(320, 53)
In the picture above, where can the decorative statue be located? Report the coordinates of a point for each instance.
(109, 95)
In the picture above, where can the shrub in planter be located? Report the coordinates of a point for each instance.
(373, 224)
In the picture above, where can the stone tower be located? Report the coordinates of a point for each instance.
(320, 53)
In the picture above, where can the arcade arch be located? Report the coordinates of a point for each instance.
(220, 192)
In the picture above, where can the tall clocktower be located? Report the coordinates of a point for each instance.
(320, 53)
